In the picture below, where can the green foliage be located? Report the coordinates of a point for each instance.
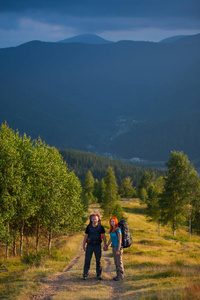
(81, 162)
(97, 190)
(153, 209)
(177, 189)
(88, 190)
(37, 190)
(88, 184)
(109, 196)
(143, 195)
(34, 259)
(126, 189)
(118, 212)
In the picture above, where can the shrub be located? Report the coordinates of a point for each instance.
(34, 259)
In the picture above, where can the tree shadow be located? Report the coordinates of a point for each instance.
(134, 210)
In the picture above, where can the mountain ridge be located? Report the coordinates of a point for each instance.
(74, 95)
(86, 39)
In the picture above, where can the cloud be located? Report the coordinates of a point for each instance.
(110, 8)
(50, 19)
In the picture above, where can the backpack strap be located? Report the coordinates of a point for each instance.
(117, 231)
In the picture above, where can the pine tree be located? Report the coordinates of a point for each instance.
(193, 190)
(153, 210)
(109, 197)
(118, 212)
(88, 185)
(88, 189)
(126, 189)
(174, 198)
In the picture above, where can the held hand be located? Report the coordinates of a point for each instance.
(105, 248)
(84, 248)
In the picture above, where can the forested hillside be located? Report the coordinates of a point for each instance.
(81, 162)
(131, 99)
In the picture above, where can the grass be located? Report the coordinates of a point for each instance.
(156, 267)
(18, 279)
(160, 267)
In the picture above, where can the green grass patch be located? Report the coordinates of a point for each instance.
(193, 255)
(136, 264)
(34, 259)
(182, 238)
(153, 242)
(179, 263)
(134, 210)
(149, 253)
(166, 274)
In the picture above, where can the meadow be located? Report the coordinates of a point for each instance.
(156, 267)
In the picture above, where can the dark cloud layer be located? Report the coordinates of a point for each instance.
(24, 20)
(134, 8)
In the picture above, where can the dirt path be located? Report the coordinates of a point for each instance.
(69, 284)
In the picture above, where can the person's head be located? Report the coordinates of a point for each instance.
(113, 224)
(94, 219)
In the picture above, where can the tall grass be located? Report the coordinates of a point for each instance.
(160, 267)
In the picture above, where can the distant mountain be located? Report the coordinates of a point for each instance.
(86, 39)
(172, 39)
(129, 99)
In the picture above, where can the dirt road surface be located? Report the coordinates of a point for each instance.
(69, 284)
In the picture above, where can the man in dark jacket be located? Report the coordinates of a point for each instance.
(93, 234)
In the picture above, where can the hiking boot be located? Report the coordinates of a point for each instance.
(99, 277)
(117, 278)
(84, 277)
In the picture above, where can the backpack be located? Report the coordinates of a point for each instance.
(99, 223)
(126, 236)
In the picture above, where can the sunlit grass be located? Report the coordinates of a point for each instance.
(159, 267)
(18, 279)
(156, 267)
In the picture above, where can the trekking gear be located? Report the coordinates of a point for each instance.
(126, 236)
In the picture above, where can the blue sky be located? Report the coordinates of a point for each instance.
(49, 20)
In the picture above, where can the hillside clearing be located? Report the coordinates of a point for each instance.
(156, 267)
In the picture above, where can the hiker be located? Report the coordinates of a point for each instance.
(93, 236)
(117, 249)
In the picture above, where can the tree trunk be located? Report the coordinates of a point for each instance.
(7, 250)
(159, 228)
(14, 246)
(174, 228)
(190, 226)
(50, 241)
(21, 239)
(27, 244)
(7, 244)
(37, 236)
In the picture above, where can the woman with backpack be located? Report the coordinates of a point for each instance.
(117, 249)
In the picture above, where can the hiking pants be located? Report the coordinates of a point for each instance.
(88, 256)
(118, 262)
